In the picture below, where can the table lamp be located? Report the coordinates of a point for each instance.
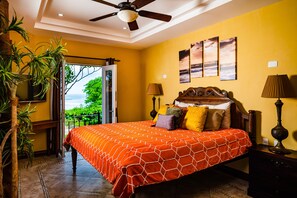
(278, 86)
(155, 90)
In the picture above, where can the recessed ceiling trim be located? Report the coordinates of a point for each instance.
(80, 32)
(41, 9)
(79, 26)
(187, 16)
(63, 26)
(60, 25)
(178, 17)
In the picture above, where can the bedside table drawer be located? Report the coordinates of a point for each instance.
(273, 184)
(272, 175)
(268, 163)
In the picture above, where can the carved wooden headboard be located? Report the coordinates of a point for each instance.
(213, 95)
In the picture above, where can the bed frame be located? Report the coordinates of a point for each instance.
(211, 95)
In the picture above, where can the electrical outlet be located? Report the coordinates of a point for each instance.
(265, 141)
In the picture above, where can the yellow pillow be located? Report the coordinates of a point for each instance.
(195, 118)
(162, 110)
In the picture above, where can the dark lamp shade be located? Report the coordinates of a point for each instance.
(278, 86)
(154, 89)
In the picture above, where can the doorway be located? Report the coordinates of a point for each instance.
(103, 89)
(108, 91)
(82, 95)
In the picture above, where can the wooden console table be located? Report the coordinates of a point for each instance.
(52, 129)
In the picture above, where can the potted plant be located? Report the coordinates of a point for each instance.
(41, 65)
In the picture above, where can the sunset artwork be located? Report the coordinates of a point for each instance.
(210, 50)
(196, 58)
(184, 66)
(228, 62)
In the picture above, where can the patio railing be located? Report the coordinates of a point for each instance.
(72, 121)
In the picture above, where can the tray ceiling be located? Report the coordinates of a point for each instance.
(41, 18)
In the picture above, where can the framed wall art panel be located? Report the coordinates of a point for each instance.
(184, 66)
(196, 59)
(228, 59)
(210, 51)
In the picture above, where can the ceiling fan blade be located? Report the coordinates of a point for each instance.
(154, 15)
(107, 3)
(141, 3)
(103, 17)
(133, 25)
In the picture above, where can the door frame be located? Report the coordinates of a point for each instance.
(105, 109)
(59, 99)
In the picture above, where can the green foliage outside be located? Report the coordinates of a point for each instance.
(93, 103)
(69, 74)
(93, 89)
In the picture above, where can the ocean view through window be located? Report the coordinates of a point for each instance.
(83, 100)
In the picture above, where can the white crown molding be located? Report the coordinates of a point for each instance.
(186, 12)
(40, 18)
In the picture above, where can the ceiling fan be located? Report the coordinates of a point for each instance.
(129, 12)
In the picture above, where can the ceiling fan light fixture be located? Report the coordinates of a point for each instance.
(127, 15)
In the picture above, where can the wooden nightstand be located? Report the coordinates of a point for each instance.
(272, 175)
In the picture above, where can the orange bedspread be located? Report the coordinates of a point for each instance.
(135, 154)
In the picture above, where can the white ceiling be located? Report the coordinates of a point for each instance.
(41, 17)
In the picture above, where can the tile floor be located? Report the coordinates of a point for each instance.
(52, 177)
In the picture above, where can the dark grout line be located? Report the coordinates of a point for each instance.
(44, 188)
(20, 189)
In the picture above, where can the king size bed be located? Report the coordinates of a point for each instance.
(134, 154)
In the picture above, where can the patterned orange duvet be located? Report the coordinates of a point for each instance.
(135, 154)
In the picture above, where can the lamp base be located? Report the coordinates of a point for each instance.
(279, 148)
(279, 133)
(153, 113)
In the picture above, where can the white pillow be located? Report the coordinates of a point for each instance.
(223, 106)
(183, 104)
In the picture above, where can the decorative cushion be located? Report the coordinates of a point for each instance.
(178, 115)
(195, 118)
(185, 110)
(162, 110)
(165, 121)
(214, 119)
(226, 121)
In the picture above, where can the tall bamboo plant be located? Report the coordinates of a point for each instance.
(41, 65)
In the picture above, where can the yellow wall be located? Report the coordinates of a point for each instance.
(128, 70)
(262, 35)
(265, 34)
